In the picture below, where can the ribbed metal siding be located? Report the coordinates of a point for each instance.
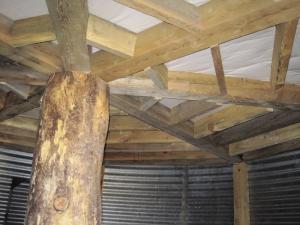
(138, 195)
(14, 164)
(275, 190)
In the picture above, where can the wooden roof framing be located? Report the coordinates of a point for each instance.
(220, 115)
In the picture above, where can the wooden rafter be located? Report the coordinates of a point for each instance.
(266, 139)
(37, 57)
(226, 117)
(262, 124)
(154, 118)
(283, 45)
(176, 12)
(70, 19)
(100, 33)
(195, 86)
(169, 42)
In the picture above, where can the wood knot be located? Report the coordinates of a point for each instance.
(61, 203)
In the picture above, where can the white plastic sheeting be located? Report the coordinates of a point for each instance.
(249, 56)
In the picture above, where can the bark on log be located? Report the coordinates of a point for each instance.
(65, 186)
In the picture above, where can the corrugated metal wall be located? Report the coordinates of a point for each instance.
(139, 195)
(174, 194)
(275, 190)
(13, 166)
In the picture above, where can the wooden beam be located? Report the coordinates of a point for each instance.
(217, 58)
(21, 107)
(164, 42)
(135, 137)
(176, 12)
(272, 150)
(32, 56)
(188, 110)
(225, 117)
(251, 128)
(70, 19)
(283, 45)
(65, 187)
(154, 117)
(157, 156)
(110, 37)
(241, 194)
(159, 75)
(149, 103)
(267, 139)
(195, 86)
(100, 33)
(32, 30)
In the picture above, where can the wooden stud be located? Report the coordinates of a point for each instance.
(70, 20)
(65, 186)
(267, 139)
(283, 45)
(176, 12)
(241, 194)
(217, 58)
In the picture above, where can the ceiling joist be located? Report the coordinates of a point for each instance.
(177, 12)
(168, 42)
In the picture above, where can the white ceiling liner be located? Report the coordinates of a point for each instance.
(114, 12)
(248, 57)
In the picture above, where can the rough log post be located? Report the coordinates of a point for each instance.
(65, 186)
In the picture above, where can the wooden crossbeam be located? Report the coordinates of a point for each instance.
(21, 107)
(225, 117)
(70, 19)
(155, 119)
(188, 110)
(34, 57)
(216, 55)
(272, 150)
(100, 33)
(283, 45)
(159, 75)
(241, 194)
(195, 86)
(160, 156)
(168, 42)
(110, 37)
(262, 124)
(266, 139)
(176, 12)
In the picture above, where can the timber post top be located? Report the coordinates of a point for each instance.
(190, 81)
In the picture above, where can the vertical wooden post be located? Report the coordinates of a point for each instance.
(241, 194)
(65, 186)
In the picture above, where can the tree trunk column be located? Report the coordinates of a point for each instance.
(65, 186)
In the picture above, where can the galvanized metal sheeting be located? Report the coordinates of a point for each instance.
(184, 195)
(180, 195)
(275, 190)
(14, 164)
